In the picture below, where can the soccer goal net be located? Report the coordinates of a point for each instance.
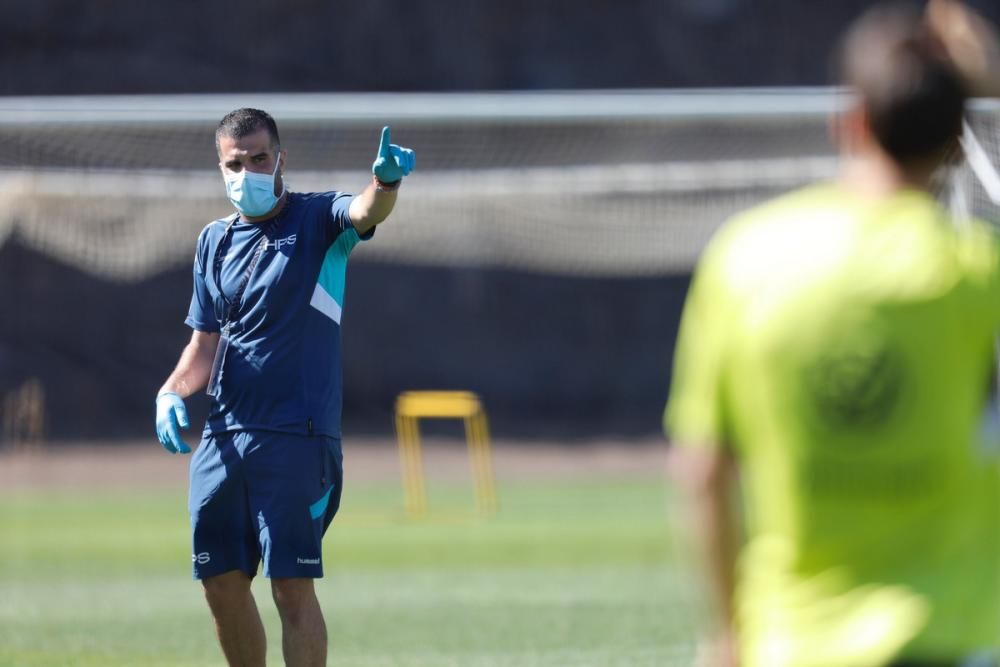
(577, 183)
(973, 186)
(628, 183)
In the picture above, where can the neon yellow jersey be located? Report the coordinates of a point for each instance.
(842, 347)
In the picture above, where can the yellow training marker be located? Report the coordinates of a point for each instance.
(411, 407)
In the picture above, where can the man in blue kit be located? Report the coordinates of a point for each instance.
(266, 308)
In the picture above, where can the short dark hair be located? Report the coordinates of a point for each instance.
(242, 122)
(912, 92)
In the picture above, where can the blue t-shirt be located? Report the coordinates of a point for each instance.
(282, 369)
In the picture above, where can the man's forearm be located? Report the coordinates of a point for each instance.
(192, 371)
(707, 476)
(371, 207)
(718, 542)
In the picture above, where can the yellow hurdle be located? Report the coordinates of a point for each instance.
(411, 407)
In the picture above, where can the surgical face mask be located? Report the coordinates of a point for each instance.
(253, 194)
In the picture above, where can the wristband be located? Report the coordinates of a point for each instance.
(382, 186)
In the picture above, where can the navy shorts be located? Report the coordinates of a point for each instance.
(261, 496)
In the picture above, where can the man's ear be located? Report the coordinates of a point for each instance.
(849, 128)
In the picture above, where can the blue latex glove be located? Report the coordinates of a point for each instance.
(171, 417)
(393, 162)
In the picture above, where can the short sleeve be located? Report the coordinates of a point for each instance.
(340, 218)
(201, 312)
(696, 413)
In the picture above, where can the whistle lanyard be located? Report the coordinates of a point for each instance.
(214, 388)
(233, 304)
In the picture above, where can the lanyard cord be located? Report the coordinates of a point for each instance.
(245, 280)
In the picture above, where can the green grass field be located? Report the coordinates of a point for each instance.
(572, 572)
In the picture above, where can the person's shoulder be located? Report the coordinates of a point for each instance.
(790, 206)
(979, 246)
(977, 230)
(312, 198)
(215, 228)
(316, 205)
(779, 217)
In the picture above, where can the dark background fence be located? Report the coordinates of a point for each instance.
(538, 348)
(219, 46)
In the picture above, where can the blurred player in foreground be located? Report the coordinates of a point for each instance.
(835, 351)
(268, 293)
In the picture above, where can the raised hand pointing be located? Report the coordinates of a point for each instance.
(392, 162)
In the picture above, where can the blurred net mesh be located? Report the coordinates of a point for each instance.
(121, 187)
(972, 189)
(601, 184)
